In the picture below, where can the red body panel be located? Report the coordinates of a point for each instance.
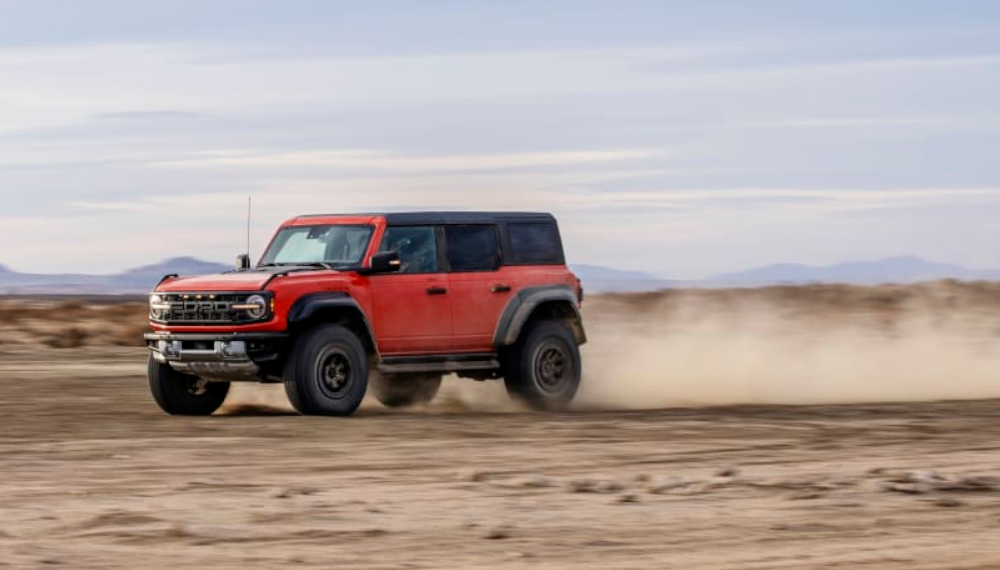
(406, 318)
(236, 281)
(479, 298)
(476, 308)
(287, 289)
(406, 311)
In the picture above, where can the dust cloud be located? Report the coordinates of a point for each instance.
(792, 345)
(249, 399)
(457, 395)
(819, 344)
(822, 344)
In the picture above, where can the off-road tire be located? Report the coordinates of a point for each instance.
(182, 394)
(543, 368)
(326, 373)
(398, 390)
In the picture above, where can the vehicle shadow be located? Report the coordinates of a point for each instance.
(255, 410)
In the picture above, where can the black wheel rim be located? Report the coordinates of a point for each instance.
(552, 366)
(197, 387)
(334, 373)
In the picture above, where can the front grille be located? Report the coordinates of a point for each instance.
(203, 308)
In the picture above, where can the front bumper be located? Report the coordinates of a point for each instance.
(231, 356)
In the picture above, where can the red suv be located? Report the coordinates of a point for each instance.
(394, 301)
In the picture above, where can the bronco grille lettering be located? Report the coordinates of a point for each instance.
(204, 312)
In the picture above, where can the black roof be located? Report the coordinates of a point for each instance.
(414, 218)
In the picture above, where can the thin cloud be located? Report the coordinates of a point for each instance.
(714, 143)
(157, 115)
(829, 200)
(380, 161)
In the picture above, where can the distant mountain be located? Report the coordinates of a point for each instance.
(179, 265)
(900, 269)
(599, 279)
(595, 278)
(134, 281)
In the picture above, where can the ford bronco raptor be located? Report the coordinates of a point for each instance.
(338, 303)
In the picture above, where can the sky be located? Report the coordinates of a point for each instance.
(684, 139)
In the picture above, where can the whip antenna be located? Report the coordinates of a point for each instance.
(249, 203)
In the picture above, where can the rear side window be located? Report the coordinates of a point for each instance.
(534, 243)
(472, 248)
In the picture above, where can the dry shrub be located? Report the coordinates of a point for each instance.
(70, 306)
(10, 314)
(125, 312)
(129, 333)
(72, 337)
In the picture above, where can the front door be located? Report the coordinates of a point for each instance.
(412, 308)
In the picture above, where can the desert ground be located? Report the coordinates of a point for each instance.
(798, 428)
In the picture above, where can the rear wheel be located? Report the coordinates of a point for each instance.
(397, 390)
(327, 372)
(543, 369)
(182, 394)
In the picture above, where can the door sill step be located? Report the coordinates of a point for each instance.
(439, 363)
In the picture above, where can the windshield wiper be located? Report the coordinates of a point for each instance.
(316, 264)
(322, 264)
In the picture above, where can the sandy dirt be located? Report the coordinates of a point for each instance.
(95, 476)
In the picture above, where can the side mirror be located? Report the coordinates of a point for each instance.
(385, 262)
(242, 262)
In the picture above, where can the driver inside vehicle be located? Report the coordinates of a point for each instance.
(416, 247)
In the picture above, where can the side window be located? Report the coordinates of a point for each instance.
(472, 248)
(534, 243)
(417, 247)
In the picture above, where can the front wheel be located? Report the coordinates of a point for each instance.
(543, 369)
(327, 372)
(398, 390)
(181, 394)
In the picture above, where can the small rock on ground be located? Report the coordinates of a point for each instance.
(906, 488)
(532, 482)
(581, 485)
(473, 475)
(665, 485)
(948, 502)
(498, 532)
(727, 472)
(294, 492)
(804, 495)
(628, 498)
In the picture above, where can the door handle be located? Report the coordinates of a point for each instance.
(500, 288)
(436, 290)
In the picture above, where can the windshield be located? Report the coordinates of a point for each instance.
(334, 245)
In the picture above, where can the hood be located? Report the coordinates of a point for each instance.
(253, 280)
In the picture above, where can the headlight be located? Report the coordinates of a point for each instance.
(255, 306)
(156, 307)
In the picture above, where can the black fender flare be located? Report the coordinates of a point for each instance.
(307, 305)
(519, 309)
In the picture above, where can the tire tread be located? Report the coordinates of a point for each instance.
(519, 374)
(299, 378)
(165, 385)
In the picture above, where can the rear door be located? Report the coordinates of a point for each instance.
(480, 288)
(412, 308)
